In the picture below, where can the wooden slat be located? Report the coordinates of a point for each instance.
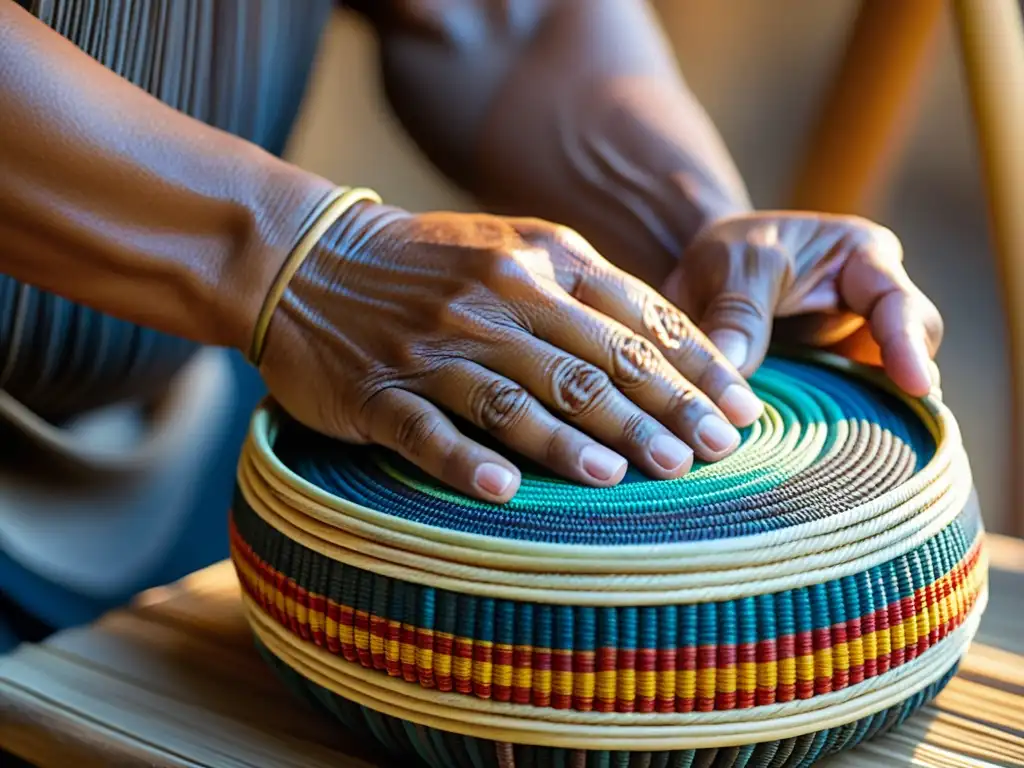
(869, 107)
(174, 682)
(991, 38)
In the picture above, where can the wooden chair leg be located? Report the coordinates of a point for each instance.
(991, 37)
(870, 106)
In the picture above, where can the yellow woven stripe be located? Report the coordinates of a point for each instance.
(522, 678)
(746, 676)
(425, 656)
(361, 637)
(786, 672)
(346, 635)
(392, 647)
(626, 688)
(542, 682)
(647, 684)
(605, 684)
(686, 684)
(666, 684)
(408, 650)
(561, 680)
(503, 672)
(706, 683)
(585, 683)
(767, 675)
(725, 680)
(841, 656)
(443, 661)
(823, 662)
(626, 684)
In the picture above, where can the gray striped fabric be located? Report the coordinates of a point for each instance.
(240, 65)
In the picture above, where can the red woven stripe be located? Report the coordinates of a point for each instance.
(645, 660)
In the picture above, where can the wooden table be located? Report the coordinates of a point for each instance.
(174, 681)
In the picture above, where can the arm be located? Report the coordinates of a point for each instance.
(114, 200)
(573, 110)
(120, 203)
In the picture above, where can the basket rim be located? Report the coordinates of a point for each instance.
(872, 532)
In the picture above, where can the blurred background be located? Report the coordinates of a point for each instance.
(761, 70)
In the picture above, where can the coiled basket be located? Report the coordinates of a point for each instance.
(807, 593)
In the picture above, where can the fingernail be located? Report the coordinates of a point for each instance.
(741, 405)
(922, 361)
(733, 345)
(493, 479)
(600, 463)
(717, 434)
(668, 453)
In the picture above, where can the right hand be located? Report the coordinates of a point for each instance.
(515, 325)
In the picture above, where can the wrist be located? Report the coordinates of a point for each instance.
(274, 208)
(321, 277)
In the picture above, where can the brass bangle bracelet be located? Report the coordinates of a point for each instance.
(322, 219)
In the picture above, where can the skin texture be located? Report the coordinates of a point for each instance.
(516, 326)
(575, 111)
(567, 110)
(829, 281)
(112, 199)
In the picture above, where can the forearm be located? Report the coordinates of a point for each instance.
(573, 110)
(114, 200)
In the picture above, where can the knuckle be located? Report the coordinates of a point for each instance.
(571, 240)
(668, 325)
(886, 242)
(637, 430)
(737, 309)
(687, 405)
(457, 315)
(634, 360)
(462, 320)
(578, 388)
(503, 269)
(570, 248)
(405, 354)
(558, 448)
(500, 405)
(415, 432)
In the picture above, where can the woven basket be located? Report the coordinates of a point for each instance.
(805, 594)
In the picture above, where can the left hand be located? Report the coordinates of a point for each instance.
(828, 281)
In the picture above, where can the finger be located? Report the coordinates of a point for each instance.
(641, 309)
(639, 371)
(904, 323)
(422, 434)
(936, 380)
(582, 394)
(738, 320)
(507, 411)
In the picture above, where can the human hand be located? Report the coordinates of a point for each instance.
(828, 281)
(517, 326)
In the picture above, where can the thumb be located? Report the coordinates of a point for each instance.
(738, 320)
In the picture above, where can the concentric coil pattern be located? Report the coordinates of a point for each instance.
(238, 66)
(791, 601)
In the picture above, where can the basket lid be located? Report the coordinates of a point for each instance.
(832, 438)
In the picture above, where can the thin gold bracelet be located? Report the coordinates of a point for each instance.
(327, 213)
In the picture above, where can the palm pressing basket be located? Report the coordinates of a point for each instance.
(807, 593)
